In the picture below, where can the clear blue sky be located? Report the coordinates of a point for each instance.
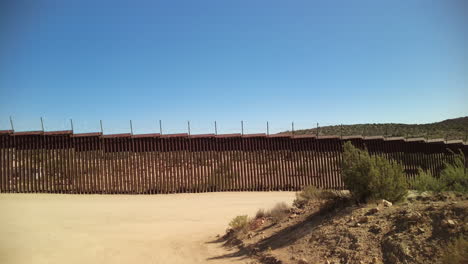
(331, 62)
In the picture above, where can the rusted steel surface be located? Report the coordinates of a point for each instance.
(63, 162)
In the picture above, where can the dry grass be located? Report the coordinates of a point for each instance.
(240, 224)
(261, 213)
(456, 252)
(311, 193)
(279, 212)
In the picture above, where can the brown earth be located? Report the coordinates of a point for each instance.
(174, 228)
(342, 232)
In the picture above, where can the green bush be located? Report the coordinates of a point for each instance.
(240, 223)
(454, 177)
(372, 177)
(426, 182)
(456, 252)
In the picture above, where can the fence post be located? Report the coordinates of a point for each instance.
(216, 128)
(242, 127)
(292, 127)
(71, 125)
(160, 127)
(268, 129)
(131, 127)
(42, 124)
(11, 124)
(318, 129)
(188, 127)
(102, 130)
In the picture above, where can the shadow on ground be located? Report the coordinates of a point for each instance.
(283, 238)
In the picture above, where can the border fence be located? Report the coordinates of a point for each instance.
(64, 162)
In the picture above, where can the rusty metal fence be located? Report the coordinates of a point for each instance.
(63, 162)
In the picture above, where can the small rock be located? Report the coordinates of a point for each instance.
(357, 225)
(386, 203)
(421, 230)
(375, 260)
(292, 216)
(373, 211)
(414, 216)
(363, 219)
(218, 235)
(451, 223)
(249, 236)
(303, 261)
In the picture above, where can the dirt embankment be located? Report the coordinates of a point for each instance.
(324, 232)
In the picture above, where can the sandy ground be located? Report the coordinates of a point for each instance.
(177, 228)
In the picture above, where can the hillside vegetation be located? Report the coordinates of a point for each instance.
(449, 129)
(375, 221)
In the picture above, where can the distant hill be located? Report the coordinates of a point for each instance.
(449, 129)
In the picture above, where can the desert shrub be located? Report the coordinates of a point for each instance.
(456, 252)
(240, 223)
(308, 193)
(454, 177)
(311, 192)
(426, 182)
(279, 212)
(372, 177)
(261, 213)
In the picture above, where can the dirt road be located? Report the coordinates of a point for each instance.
(51, 228)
